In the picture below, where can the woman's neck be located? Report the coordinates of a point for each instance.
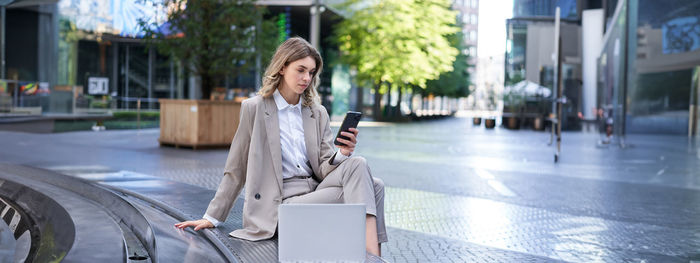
(289, 95)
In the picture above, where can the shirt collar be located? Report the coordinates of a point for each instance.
(282, 103)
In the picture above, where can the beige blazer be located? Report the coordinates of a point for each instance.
(255, 160)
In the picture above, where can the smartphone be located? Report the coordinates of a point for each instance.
(352, 118)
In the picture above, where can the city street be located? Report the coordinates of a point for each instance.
(461, 193)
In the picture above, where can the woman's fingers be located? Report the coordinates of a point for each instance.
(350, 136)
(348, 144)
(198, 224)
(204, 224)
(185, 224)
(355, 131)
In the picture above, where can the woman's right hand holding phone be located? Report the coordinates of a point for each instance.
(350, 143)
(197, 224)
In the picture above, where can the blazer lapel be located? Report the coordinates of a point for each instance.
(272, 126)
(310, 138)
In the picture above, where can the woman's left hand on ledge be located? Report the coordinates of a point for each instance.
(197, 224)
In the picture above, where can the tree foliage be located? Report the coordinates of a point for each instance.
(217, 38)
(454, 83)
(402, 42)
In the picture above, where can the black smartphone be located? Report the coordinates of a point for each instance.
(352, 118)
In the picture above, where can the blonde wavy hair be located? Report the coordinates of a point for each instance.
(291, 50)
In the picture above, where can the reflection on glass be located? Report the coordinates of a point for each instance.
(545, 8)
(515, 51)
(611, 75)
(663, 53)
(110, 16)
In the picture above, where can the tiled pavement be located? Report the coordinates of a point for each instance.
(458, 193)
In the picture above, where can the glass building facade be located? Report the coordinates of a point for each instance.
(529, 48)
(546, 8)
(651, 53)
(65, 45)
(101, 38)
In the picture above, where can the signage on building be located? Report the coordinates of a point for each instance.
(98, 86)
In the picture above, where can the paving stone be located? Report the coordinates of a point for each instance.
(445, 181)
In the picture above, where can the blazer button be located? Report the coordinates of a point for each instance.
(257, 196)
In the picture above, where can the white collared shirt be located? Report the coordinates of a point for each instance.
(294, 159)
(293, 146)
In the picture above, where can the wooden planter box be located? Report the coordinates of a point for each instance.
(195, 123)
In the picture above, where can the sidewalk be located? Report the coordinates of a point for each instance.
(459, 193)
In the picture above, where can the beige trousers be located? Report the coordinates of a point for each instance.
(351, 183)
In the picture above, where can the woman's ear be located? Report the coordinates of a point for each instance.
(282, 70)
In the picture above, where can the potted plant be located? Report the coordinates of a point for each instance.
(491, 105)
(476, 120)
(542, 110)
(513, 104)
(212, 39)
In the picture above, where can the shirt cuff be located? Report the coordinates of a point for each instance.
(339, 158)
(212, 220)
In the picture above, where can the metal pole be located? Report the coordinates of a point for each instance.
(557, 102)
(150, 77)
(624, 75)
(138, 113)
(560, 102)
(115, 67)
(693, 116)
(16, 97)
(180, 80)
(2, 41)
(172, 78)
(126, 78)
(72, 99)
(258, 59)
(315, 24)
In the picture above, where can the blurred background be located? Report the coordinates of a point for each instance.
(463, 103)
(626, 66)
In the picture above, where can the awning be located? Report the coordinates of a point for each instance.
(528, 89)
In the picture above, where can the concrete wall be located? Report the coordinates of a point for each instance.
(540, 46)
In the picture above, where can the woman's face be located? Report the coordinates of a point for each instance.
(298, 75)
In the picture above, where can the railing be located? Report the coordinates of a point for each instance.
(106, 104)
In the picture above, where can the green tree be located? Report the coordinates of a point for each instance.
(215, 38)
(454, 83)
(398, 43)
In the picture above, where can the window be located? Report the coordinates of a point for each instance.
(475, 19)
(472, 51)
(465, 19)
(474, 3)
(472, 35)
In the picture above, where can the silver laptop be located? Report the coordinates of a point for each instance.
(321, 232)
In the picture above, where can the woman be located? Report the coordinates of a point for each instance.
(283, 153)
